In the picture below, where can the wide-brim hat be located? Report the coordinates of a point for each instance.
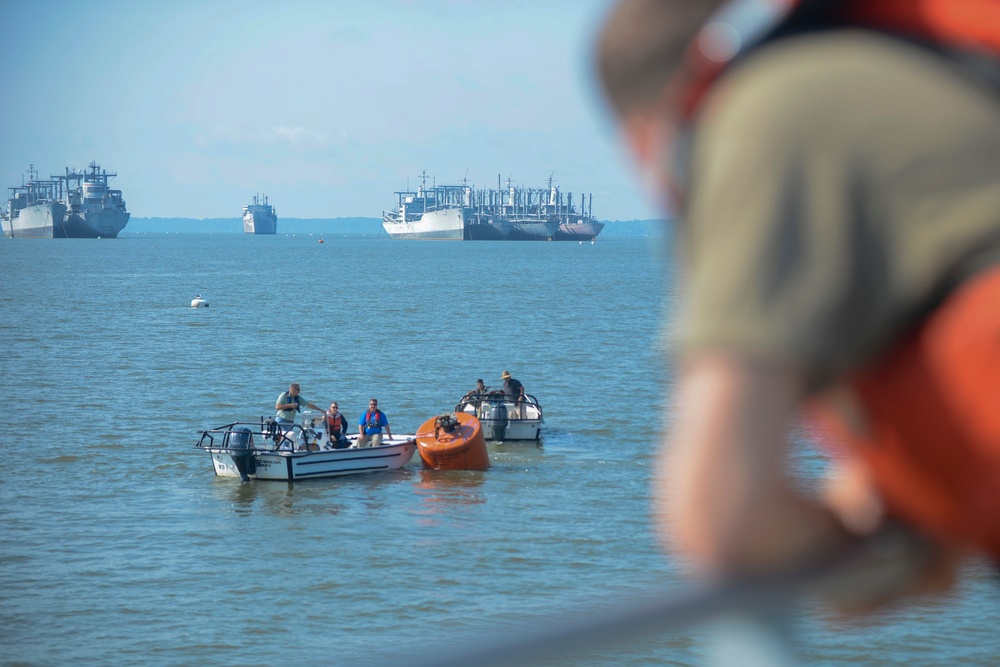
(505, 375)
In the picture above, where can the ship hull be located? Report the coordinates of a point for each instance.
(578, 231)
(103, 223)
(442, 225)
(488, 231)
(39, 221)
(260, 224)
(533, 231)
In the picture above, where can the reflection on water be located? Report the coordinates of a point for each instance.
(240, 496)
(439, 490)
(328, 496)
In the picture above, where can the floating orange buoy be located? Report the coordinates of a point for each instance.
(453, 442)
(321, 240)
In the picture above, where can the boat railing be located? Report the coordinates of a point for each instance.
(498, 397)
(267, 435)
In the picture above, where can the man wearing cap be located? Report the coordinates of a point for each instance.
(512, 389)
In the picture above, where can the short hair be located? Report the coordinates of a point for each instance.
(641, 44)
(479, 380)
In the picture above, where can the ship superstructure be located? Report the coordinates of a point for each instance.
(71, 205)
(434, 213)
(94, 210)
(462, 212)
(260, 217)
(34, 209)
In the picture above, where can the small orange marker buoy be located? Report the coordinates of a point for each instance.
(453, 442)
(321, 240)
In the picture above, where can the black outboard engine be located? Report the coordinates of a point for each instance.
(500, 423)
(241, 451)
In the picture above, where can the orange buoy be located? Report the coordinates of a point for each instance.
(321, 240)
(453, 442)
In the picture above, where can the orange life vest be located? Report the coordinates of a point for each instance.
(929, 427)
(965, 25)
(334, 424)
(930, 431)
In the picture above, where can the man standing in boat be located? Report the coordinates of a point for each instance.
(288, 403)
(371, 424)
(514, 391)
(511, 387)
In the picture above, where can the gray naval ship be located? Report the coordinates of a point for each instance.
(73, 205)
(461, 212)
(260, 217)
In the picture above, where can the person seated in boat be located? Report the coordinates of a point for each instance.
(288, 403)
(480, 390)
(336, 426)
(371, 424)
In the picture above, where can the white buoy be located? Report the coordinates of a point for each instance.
(198, 302)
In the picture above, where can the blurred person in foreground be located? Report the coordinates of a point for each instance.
(835, 168)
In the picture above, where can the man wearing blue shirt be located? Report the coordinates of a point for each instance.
(371, 424)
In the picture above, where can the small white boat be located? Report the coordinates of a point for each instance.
(504, 418)
(198, 302)
(268, 450)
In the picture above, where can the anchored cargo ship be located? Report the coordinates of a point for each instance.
(461, 212)
(34, 209)
(72, 205)
(435, 213)
(93, 209)
(259, 217)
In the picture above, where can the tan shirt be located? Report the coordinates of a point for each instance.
(840, 185)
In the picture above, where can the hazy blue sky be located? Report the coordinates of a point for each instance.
(327, 106)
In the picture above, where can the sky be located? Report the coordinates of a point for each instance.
(326, 106)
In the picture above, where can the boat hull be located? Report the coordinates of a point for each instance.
(285, 465)
(502, 419)
(578, 231)
(453, 442)
(533, 231)
(442, 225)
(103, 223)
(260, 223)
(497, 230)
(38, 221)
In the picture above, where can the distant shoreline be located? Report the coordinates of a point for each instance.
(345, 226)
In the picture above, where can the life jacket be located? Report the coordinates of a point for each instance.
(922, 415)
(372, 420)
(335, 424)
(963, 25)
(290, 399)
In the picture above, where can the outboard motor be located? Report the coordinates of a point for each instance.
(241, 452)
(500, 421)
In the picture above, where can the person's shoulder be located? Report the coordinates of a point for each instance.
(814, 86)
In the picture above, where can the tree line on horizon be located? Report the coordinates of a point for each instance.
(348, 226)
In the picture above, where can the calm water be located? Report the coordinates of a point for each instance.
(119, 546)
